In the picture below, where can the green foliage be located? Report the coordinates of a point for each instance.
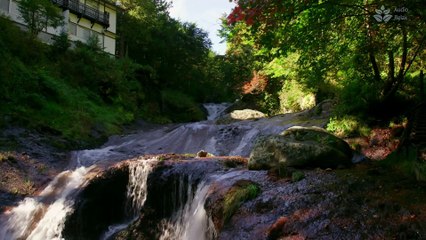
(176, 51)
(39, 14)
(295, 97)
(172, 55)
(15, 42)
(237, 195)
(179, 107)
(405, 161)
(297, 176)
(336, 49)
(347, 126)
(60, 45)
(79, 94)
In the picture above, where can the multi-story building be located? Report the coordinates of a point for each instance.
(83, 19)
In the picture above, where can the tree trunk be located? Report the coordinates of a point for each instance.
(391, 73)
(402, 69)
(422, 87)
(371, 54)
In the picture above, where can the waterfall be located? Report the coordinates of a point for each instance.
(191, 221)
(215, 110)
(43, 217)
(137, 186)
(136, 193)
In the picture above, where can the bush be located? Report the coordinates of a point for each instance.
(180, 107)
(297, 176)
(295, 97)
(79, 94)
(60, 45)
(347, 126)
(405, 161)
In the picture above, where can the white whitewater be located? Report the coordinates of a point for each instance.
(215, 110)
(136, 193)
(235, 139)
(43, 217)
(137, 188)
(191, 222)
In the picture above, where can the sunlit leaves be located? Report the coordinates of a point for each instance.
(341, 43)
(39, 14)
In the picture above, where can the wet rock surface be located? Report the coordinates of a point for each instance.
(364, 202)
(168, 186)
(341, 204)
(28, 161)
(239, 115)
(300, 147)
(235, 139)
(101, 203)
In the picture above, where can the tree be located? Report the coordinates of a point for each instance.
(39, 14)
(340, 44)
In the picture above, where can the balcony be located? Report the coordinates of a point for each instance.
(83, 10)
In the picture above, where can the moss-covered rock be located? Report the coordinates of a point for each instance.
(225, 201)
(300, 147)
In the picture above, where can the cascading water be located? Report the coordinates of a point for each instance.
(191, 221)
(137, 187)
(215, 110)
(234, 139)
(43, 217)
(136, 193)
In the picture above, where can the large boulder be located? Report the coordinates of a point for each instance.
(239, 115)
(300, 147)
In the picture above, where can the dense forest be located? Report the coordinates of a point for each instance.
(316, 127)
(298, 53)
(163, 71)
(283, 56)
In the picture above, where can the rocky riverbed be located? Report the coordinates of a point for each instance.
(362, 202)
(119, 192)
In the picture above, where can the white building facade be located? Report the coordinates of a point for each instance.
(83, 19)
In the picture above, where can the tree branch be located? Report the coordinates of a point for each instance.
(415, 54)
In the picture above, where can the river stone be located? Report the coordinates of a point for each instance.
(239, 115)
(300, 147)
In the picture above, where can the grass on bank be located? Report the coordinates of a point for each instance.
(237, 195)
(406, 161)
(81, 94)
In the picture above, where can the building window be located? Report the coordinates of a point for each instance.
(4, 5)
(85, 34)
(72, 29)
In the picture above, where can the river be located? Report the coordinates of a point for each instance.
(43, 216)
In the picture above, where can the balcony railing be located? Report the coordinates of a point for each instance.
(84, 10)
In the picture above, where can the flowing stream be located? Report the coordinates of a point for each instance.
(43, 217)
(191, 221)
(136, 193)
(215, 110)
